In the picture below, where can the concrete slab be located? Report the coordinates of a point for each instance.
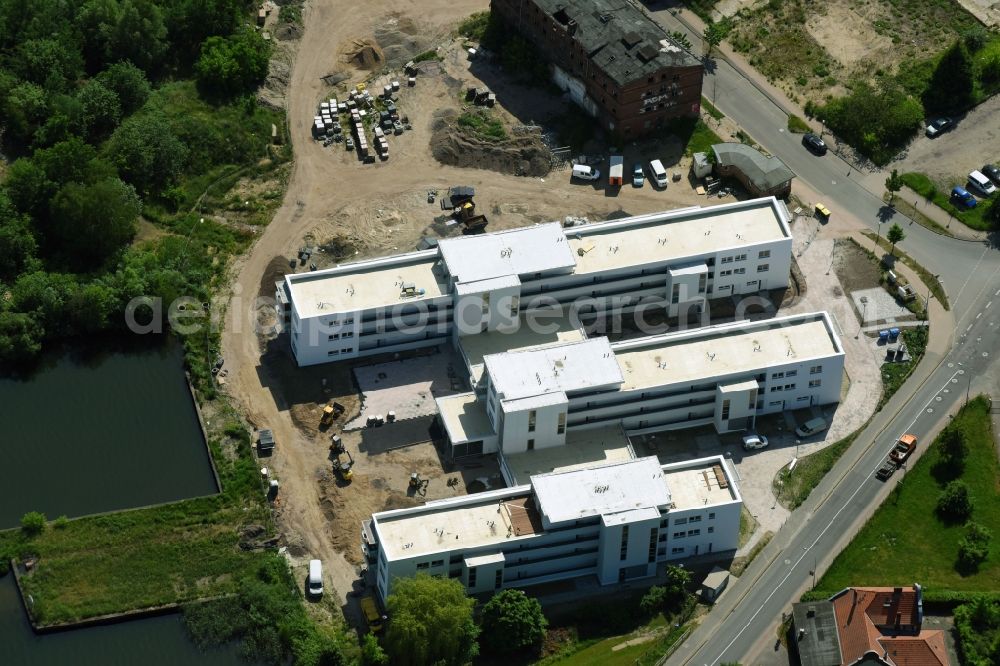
(879, 306)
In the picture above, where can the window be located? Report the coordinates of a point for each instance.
(472, 576)
(531, 445)
(763, 268)
(675, 551)
(623, 554)
(694, 532)
(663, 537)
(348, 334)
(711, 516)
(740, 271)
(652, 545)
(775, 403)
(741, 257)
(437, 563)
(725, 417)
(702, 282)
(486, 302)
(422, 565)
(498, 579)
(789, 387)
(802, 398)
(763, 254)
(711, 530)
(515, 304)
(346, 350)
(725, 273)
(561, 427)
(532, 415)
(333, 336)
(775, 388)
(678, 535)
(816, 369)
(791, 373)
(676, 296)
(815, 383)
(332, 352)
(777, 375)
(727, 260)
(681, 521)
(752, 283)
(695, 519)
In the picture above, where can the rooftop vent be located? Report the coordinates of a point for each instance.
(631, 38)
(603, 17)
(647, 52)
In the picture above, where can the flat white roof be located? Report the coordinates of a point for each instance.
(636, 484)
(673, 235)
(476, 347)
(693, 356)
(364, 285)
(464, 418)
(694, 484)
(521, 251)
(583, 448)
(565, 367)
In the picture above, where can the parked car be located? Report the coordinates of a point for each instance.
(980, 183)
(315, 581)
(886, 470)
(657, 174)
(637, 176)
(991, 172)
(753, 441)
(811, 427)
(938, 126)
(822, 212)
(961, 196)
(584, 172)
(814, 144)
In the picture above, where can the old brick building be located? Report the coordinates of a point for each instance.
(613, 59)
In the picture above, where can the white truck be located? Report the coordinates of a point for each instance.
(616, 170)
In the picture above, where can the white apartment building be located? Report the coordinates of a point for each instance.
(616, 521)
(487, 283)
(724, 376)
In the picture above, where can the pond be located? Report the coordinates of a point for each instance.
(101, 430)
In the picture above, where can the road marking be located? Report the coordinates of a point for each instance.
(989, 304)
(969, 328)
(806, 549)
(997, 292)
(979, 315)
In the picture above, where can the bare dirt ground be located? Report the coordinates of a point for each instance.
(357, 210)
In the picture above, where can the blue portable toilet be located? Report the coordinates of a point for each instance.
(893, 334)
(883, 337)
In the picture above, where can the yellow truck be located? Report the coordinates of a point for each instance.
(372, 616)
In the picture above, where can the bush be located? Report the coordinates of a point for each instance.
(974, 547)
(512, 621)
(33, 523)
(796, 125)
(231, 66)
(653, 601)
(60, 523)
(878, 122)
(955, 505)
(431, 622)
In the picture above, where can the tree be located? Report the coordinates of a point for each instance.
(147, 153)
(33, 523)
(230, 66)
(895, 235)
(952, 445)
(90, 223)
(116, 30)
(18, 247)
(714, 34)
(20, 337)
(653, 600)
(954, 504)
(953, 82)
(512, 621)
(992, 213)
(894, 183)
(372, 653)
(101, 109)
(677, 581)
(974, 547)
(431, 622)
(129, 83)
(681, 39)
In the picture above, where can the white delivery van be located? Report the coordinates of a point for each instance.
(314, 585)
(584, 172)
(981, 183)
(658, 174)
(811, 427)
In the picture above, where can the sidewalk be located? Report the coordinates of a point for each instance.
(954, 227)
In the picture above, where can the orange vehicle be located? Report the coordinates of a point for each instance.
(903, 448)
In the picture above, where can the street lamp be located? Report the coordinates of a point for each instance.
(878, 234)
(927, 301)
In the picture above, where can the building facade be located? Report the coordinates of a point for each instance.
(613, 60)
(724, 376)
(467, 286)
(616, 522)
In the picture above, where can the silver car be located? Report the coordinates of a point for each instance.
(754, 441)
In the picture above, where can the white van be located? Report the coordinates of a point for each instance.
(811, 427)
(314, 584)
(584, 172)
(981, 183)
(658, 174)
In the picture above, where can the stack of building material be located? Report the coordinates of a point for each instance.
(319, 129)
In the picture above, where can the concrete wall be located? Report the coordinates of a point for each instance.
(545, 434)
(487, 310)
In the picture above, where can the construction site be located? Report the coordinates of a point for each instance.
(482, 152)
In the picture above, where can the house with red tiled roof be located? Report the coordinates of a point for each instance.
(867, 625)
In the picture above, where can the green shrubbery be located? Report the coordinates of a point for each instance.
(977, 624)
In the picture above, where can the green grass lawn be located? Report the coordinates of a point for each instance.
(710, 109)
(905, 541)
(939, 195)
(793, 489)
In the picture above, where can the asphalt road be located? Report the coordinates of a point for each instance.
(743, 625)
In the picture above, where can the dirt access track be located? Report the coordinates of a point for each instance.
(379, 209)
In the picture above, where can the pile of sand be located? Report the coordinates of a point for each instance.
(364, 54)
(520, 156)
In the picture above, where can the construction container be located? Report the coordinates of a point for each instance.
(341, 107)
(395, 86)
(387, 91)
(616, 170)
(412, 81)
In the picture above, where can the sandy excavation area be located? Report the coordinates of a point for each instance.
(348, 210)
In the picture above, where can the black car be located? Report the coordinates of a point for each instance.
(814, 143)
(991, 172)
(938, 127)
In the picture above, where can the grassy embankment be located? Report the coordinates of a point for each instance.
(939, 195)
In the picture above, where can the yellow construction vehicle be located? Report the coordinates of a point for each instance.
(343, 468)
(327, 418)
